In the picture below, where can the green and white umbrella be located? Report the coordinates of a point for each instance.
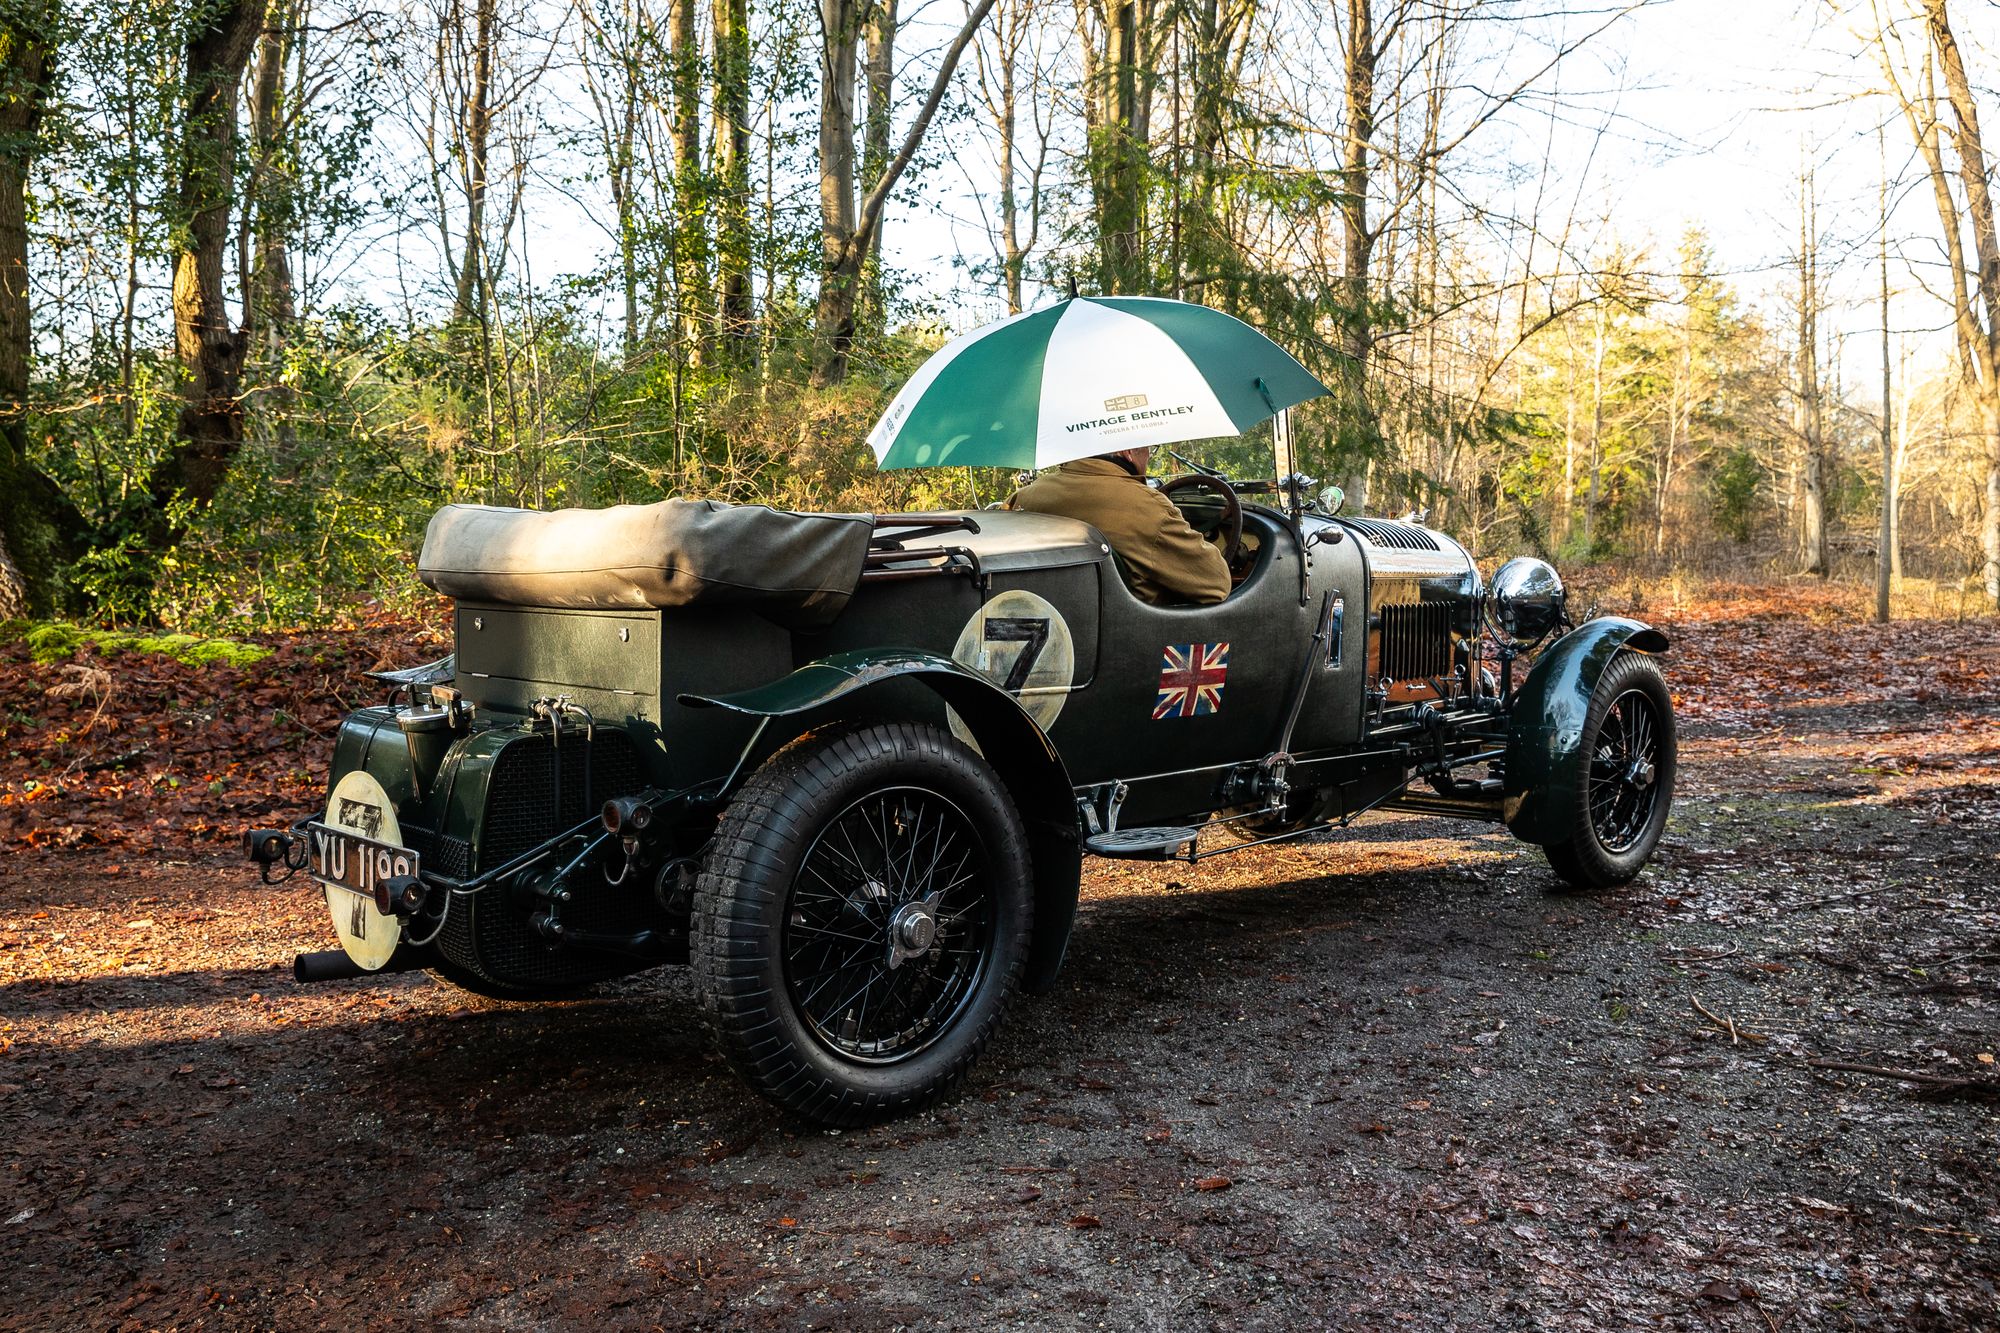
(1089, 376)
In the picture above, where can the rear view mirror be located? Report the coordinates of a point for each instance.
(1331, 498)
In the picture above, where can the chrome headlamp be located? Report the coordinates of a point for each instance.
(1528, 599)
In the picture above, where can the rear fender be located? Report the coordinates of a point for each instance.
(1545, 732)
(1007, 736)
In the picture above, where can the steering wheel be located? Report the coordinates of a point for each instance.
(1232, 511)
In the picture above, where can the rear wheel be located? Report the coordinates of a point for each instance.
(862, 921)
(1625, 777)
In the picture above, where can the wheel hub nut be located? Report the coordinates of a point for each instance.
(912, 931)
(915, 928)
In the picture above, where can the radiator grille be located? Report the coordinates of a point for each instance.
(440, 852)
(521, 798)
(1400, 535)
(1416, 641)
(488, 933)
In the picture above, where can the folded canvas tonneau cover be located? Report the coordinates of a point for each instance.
(797, 569)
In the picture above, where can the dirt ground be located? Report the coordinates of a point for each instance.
(1391, 1078)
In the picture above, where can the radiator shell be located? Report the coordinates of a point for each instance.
(1423, 609)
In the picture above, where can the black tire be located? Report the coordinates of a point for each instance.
(821, 859)
(1625, 780)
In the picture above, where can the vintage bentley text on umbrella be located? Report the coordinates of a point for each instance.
(1089, 376)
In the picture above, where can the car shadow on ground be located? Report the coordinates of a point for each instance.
(150, 990)
(1335, 1027)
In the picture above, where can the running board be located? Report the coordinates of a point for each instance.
(1142, 844)
(1419, 803)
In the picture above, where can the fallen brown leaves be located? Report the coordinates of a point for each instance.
(140, 753)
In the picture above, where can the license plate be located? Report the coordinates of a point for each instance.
(360, 865)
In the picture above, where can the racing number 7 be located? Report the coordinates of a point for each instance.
(1031, 632)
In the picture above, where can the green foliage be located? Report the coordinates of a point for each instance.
(57, 641)
(1734, 486)
(1580, 410)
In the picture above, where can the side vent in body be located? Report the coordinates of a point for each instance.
(1399, 535)
(1416, 641)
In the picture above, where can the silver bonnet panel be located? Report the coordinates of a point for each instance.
(1404, 550)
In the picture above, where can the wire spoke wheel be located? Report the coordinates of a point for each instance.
(888, 926)
(1624, 768)
(863, 919)
(1623, 783)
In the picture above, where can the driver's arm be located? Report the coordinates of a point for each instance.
(1176, 557)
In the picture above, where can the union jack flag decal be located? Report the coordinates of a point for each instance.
(1191, 677)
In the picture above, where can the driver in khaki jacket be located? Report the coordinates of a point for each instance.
(1166, 560)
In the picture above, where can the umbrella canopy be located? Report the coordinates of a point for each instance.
(1089, 376)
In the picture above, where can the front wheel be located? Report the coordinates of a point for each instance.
(1625, 777)
(863, 920)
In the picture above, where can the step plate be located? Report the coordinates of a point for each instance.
(1140, 844)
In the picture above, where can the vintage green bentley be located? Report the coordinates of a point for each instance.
(849, 765)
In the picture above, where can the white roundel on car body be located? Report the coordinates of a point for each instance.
(360, 805)
(1021, 643)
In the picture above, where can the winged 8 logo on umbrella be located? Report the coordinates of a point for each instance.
(1191, 679)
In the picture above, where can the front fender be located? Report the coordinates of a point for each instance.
(1545, 730)
(1009, 739)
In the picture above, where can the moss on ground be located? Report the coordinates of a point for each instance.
(56, 641)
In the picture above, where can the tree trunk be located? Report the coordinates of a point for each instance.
(621, 173)
(1885, 547)
(37, 525)
(1984, 338)
(1813, 507)
(269, 300)
(132, 192)
(1214, 38)
(1807, 417)
(732, 174)
(210, 349)
(846, 227)
(1598, 349)
(475, 138)
(1681, 391)
(1899, 460)
(999, 89)
(1118, 124)
(1006, 107)
(626, 53)
(690, 190)
(1361, 426)
(840, 23)
(879, 66)
(1565, 515)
